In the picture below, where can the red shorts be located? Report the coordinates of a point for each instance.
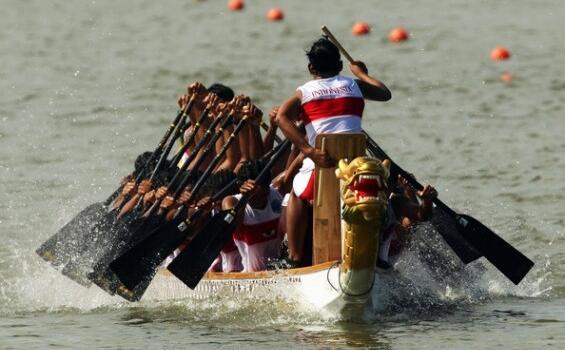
(304, 180)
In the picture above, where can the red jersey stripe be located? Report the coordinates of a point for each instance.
(326, 108)
(251, 234)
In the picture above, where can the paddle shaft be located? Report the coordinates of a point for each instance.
(263, 174)
(156, 153)
(209, 148)
(179, 173)
(333, 39)
(210, 145)
(411, 179)
(166, 152)
(195, 151)
(191, 137)
(182, 113)
(212, 165)
(266, 127)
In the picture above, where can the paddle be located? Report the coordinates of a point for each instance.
(191, 265)
(66, 244)
(136, 268)
(184, 182)
(474, 239)
(108, 230)
(266, 127)
(174, 130)
(138, 252)
(139, 264)
(191, 137)
(133, 229)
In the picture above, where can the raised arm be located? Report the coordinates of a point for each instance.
(269, 139)
(372, 89)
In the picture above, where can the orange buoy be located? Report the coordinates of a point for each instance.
(275, 14)
(236, 5)
(360, 28)
(499, 54)
(506, 77)
(397, 35)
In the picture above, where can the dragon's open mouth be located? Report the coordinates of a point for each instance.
(366, 188)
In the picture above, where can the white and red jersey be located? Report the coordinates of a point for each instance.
(230, 258)
(258, 238)
(333, 105)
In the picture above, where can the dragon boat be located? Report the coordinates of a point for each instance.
(348, 212)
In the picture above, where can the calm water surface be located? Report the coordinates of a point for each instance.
(87, 85)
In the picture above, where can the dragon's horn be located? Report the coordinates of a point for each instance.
(386, 165)
(341, 167)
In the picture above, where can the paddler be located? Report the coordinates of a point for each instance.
(257, 237)
(406, 207)
(329, 103)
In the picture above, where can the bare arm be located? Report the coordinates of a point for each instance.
(232, 154)
(415, 211)
(269, 139)
(372, 89)
(288, 112)
(256, 142)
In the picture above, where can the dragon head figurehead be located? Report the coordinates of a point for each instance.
(363, 182)
(364, 199)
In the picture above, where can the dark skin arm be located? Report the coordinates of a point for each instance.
(269, 139)
(372, 89)
(287, 114)
(416, 212)
(283, 181)
(256, 144)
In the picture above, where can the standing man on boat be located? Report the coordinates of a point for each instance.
(329, 103)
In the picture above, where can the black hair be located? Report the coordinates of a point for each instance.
(141, 161)
(223, 92)
(218, 181)
(193, 177)
(251, 169)
(324, 58)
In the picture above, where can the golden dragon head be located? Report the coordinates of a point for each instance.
(363, 182)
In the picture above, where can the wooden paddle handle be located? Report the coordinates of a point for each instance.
(332, 38)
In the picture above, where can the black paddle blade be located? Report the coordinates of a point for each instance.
(126, 235)
(140, 262)
(106, 237)
(102, 236)
(68, 242)
(191, 265)
(447, 227)
(507, 259)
